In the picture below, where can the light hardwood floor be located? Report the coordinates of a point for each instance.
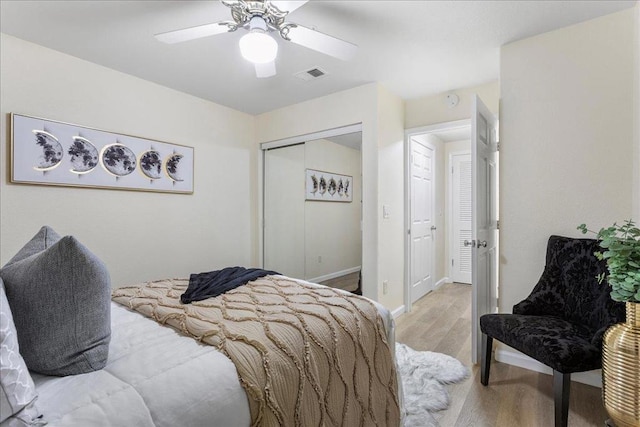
(515, 397)
(348, 282)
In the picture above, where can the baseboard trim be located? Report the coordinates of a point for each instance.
(334, 275)
(441, 282)
(398, 311)
(515, 358)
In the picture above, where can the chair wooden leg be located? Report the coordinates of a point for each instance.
(561, 388)
(485, 359)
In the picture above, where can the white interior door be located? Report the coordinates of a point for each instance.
(422, 218)
(461, 214)
(284, 198)
(485, 218)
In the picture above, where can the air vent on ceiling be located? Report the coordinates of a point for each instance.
(311, 74)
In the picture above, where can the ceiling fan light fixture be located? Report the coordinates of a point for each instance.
(257, 46)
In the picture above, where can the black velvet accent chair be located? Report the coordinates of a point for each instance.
(562, 321)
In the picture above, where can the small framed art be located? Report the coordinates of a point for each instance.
(328, 187)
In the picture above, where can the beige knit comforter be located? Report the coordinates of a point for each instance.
(305, 355)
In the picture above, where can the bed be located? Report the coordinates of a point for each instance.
(270, 351)
(158, 376)
(155, 376)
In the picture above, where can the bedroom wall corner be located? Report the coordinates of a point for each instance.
(140, 235)
(429, 110)
(566, 130)
(391, 194)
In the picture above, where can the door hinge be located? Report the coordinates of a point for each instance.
(451, 262)
(451, 170)
(498, 146)
(497, 225)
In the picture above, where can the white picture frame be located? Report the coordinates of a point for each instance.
(328, 186)
(49, 152)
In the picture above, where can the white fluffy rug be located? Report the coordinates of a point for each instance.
(424, 374)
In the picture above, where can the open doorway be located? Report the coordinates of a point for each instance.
(438, 206)
(450, 240)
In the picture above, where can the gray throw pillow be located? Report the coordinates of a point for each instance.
(38, 243)
(17, 391)
(60, 299)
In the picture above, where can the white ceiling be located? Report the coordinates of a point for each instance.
(454, 135)
(350, 140)
(414, 48)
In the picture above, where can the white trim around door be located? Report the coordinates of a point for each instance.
(409, 134)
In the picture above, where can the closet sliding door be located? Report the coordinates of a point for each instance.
(284, 216)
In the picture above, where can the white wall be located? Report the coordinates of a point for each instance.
(391, 193)
(567, 121)
(432, 109)
(140, 235)
(333, 240)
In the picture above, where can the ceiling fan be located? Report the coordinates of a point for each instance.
(260, 18)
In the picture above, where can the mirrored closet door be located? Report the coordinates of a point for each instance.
(313, 210)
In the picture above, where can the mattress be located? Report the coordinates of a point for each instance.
(154, 377)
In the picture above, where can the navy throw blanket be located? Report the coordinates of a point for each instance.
(214, 283)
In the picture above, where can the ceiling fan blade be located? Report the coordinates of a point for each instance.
(265, 70)
(321, 42)
(192, 33)
(288, 6)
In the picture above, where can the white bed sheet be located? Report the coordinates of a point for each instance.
(154, 377)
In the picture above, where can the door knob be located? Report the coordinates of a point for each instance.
(469, 243)
(482, 244)
(433, 227)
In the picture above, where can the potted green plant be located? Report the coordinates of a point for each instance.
(621, 343)
(621, 250)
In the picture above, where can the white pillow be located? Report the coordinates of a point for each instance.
(17, 391)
